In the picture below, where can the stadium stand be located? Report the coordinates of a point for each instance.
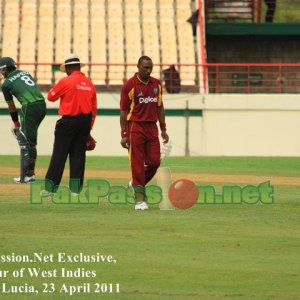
(28, 22)
(115, 45)
(10, 37)
(45, 38)
(151, 34)
(98, 45)
(185, 44)
(167, 30)
(238, 9)
(63, 32)
(81, 14)
(1, 18)
(133, 42)
(108, 36)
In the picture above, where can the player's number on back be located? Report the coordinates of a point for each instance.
(27, 80)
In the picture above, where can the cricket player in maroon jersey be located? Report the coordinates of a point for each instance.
(141, 107)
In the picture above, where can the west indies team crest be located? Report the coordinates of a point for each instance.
(155, 90)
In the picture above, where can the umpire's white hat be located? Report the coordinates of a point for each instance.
(71, 59)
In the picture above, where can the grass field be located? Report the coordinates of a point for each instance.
(235, 251)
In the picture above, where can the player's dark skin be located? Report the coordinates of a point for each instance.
(145, 68)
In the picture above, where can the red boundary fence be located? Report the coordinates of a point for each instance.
(243, 78)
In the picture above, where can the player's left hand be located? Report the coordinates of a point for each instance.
(15, 129)
(125, 142)
(165, 136)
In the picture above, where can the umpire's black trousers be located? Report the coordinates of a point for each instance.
(71, 133)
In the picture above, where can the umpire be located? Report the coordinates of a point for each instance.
(78, 108)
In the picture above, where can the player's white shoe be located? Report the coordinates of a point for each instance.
(141, 205)
(45, 193)
(26, 179)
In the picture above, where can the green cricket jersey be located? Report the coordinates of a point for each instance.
(21, 85)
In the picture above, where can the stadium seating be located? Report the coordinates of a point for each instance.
(151, 34)
(219, 9)
(107, 35)
(10, 35)
(81, 30)
(45, 36)
(28, 35)
(62, 32)
(185, 44)
(98, 45)
(1, 18)
(168, 41)
(133, 42)
(115, 42)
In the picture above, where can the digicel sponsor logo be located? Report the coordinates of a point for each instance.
(147, 100)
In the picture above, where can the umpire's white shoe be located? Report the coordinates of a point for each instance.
(141, 205)
(26, 179)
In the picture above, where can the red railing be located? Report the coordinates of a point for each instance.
(216, 78)
(253, 78)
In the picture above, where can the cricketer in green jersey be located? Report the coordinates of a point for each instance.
(21, 85)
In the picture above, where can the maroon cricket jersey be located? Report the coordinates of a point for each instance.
(141, 100)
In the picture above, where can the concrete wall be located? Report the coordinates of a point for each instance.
(258, 125)
(231, 125)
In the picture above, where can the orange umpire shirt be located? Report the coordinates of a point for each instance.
(77, 95)
(141, 100)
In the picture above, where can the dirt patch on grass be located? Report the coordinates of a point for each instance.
(200, 177)
(13, 189)
(242, 179)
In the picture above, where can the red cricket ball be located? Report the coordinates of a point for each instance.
(183, 193)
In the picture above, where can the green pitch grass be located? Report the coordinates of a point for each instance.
(206, 252)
